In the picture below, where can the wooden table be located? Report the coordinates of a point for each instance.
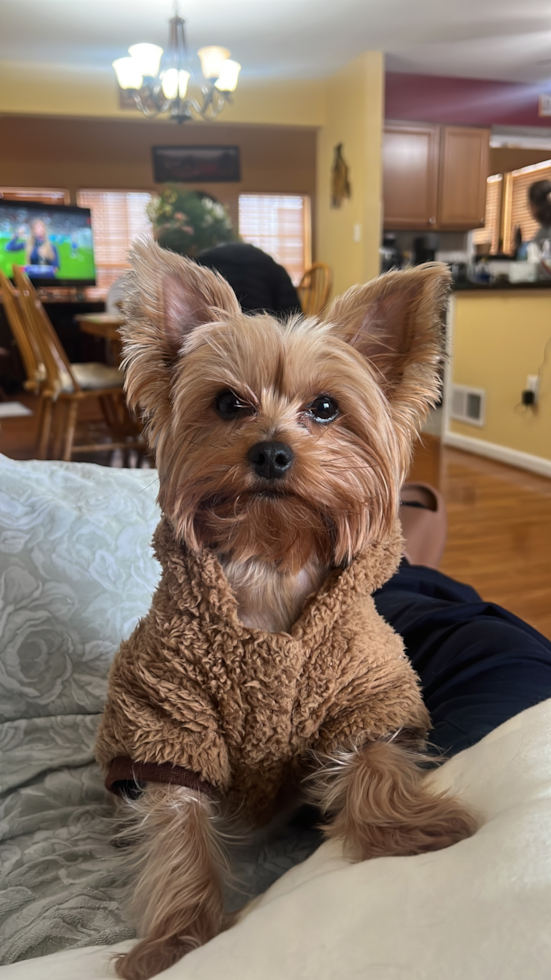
(104, 325)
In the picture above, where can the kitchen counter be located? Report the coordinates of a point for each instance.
(495, 287)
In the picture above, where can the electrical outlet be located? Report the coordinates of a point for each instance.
(530, 394)
(532, 384)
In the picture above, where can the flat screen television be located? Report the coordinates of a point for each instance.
(53, 243)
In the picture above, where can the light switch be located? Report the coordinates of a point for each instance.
(357, 232)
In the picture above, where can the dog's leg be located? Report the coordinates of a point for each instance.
(180, 861)
(379, 803)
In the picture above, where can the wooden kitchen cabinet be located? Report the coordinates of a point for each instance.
(434, 177)
(464, 166)
(410, 175)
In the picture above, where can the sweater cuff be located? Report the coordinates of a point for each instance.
(126, 778)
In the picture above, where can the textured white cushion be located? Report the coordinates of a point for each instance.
(76, 572)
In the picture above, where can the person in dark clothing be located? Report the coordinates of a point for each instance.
(479, 664)
(18, 241)
(256, 279)
(197, 225)
(539, 202)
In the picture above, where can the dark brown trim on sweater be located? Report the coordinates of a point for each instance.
(125, 776)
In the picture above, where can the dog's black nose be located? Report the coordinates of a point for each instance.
(270, 459)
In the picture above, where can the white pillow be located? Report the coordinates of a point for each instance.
(76, 573)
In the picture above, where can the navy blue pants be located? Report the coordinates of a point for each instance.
(479, 665)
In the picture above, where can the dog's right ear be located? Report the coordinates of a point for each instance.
(396, 323)
(166, 298)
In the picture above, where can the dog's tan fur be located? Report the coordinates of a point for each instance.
(385, 780)
(263, 642)
(178, 862)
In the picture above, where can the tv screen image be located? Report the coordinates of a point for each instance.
(53, 243)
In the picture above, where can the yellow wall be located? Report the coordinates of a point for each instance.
(498, 339)
(347, 108)
(355, 115)
(37, 90)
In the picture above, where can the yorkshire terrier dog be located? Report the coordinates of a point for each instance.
(262, 673)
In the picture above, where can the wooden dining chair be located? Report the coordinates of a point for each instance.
(67, 387)
(25, 342)
(5, 359)
(29, 352)
(314, 288)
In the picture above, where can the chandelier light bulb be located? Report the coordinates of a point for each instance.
(212, 60)
(170, 83)
(229, 74)
(175, 83)
(128, 73)
(147, 58)
(183, 79)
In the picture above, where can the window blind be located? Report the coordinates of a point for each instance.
(517, 210)
(118, 217)
(491, 233)
(43, 195)
(280, 225)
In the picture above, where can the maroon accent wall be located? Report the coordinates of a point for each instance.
(463, 101)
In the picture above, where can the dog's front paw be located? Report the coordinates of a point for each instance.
(436, 823)
(380, 804)
(154, 954)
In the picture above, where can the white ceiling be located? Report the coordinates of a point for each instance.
(503, 39)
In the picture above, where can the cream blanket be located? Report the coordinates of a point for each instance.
(478, 910)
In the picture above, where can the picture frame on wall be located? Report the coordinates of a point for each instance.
(196, 164)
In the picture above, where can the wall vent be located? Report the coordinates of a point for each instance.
(468, 404)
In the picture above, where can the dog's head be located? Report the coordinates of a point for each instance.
(281, 442)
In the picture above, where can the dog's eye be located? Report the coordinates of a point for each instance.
(323, 409)
(229, 405)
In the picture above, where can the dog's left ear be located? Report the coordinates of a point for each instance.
(397, 323)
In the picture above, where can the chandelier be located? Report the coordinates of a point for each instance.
(158, 80)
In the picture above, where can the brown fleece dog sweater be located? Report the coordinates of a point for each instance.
(241, 708)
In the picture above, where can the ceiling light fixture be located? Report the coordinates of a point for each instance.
(158, 81)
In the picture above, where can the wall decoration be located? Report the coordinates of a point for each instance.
(340, 183)
(196, 164)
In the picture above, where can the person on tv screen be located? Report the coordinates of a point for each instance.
(19, 241)
(41, 252)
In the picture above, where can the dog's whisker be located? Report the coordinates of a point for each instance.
(148, 487)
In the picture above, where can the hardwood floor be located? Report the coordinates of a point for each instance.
(18, 436)
(499, 528)
(499, 535)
